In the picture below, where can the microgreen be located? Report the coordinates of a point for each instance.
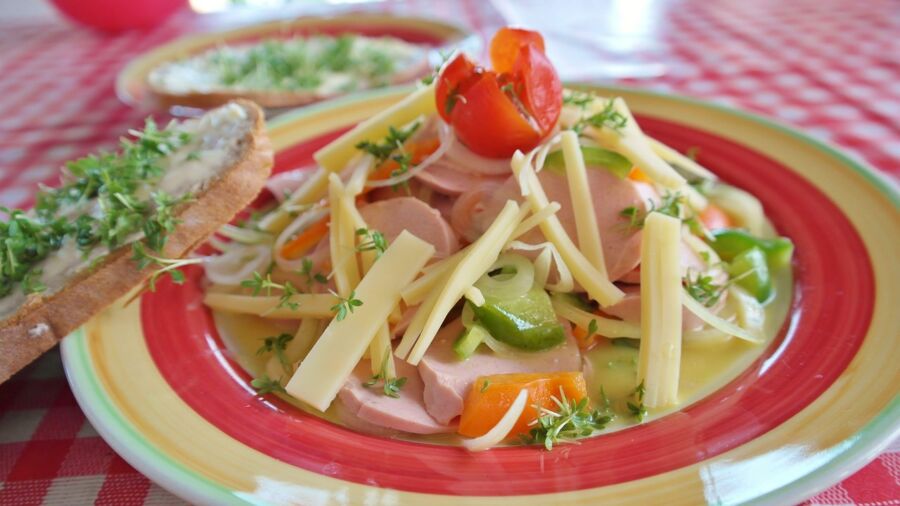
(637, 408)
(345, 305)
(371, 240)
(258, 283)
(391, 386)
(608, 117)
(306, 270)
(394, 141)
(277, 345)
(567, 421)
(265, 385)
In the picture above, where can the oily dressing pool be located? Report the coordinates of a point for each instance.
(610, 367)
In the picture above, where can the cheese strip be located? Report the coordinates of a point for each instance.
(536, 218)
(345, 271)
(631, 142)
(380, 351)
(310, 305)
(659, 360)
(434, 274)
(340, 347)
(481, 256)
(339, 152)
(606, 327)
(598, 286)
(303, 341)
(419, 289)
(582, 203)
(672, 156)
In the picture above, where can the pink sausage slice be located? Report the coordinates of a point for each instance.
(405, 413)
(621, 244)
(450, 181)
(392, 216)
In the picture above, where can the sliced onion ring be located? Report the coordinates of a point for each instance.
(508, 286)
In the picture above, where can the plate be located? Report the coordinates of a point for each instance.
(131, 82)
(158, 384)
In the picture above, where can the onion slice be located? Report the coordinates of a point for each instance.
(566, 282)
(714, 321)
(446, 141)
(499, 432)
(508, 286)
(298, 225)
(238, 263)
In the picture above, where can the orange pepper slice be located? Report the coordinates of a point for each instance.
(637, 174)
(418, 151)
(306, 239)
(491, 396)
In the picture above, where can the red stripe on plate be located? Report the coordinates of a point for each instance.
(832, 307)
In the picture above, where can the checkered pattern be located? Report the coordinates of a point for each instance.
(828, 67)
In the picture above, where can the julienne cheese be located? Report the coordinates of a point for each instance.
(473, 265)
(337, 154)
(631, 142)
(659, 360)
(342, 345)
(597, 285)
(582, 203)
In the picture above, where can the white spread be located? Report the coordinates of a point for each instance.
(204, 72)
(214, 141)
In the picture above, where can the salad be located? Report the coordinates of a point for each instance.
(497, 259)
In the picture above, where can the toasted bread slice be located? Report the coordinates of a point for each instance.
(235, 144)
(191, 82)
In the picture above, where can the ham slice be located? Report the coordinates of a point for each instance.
(621, 244)
(447, 379)
(372, 408)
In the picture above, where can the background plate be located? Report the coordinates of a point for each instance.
(131, 83)
(156, 381)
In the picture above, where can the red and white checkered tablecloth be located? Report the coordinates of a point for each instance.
(828, 67)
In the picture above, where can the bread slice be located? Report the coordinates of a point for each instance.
(191, 91)
(242, 168)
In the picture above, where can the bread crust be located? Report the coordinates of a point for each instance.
(42, 321)
(163, 99)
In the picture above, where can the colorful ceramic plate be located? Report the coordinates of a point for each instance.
(131, 83)
(157, 382)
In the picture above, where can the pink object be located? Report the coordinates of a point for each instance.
(116, 15)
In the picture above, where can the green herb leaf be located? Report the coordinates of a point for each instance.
(345, 305)
(265, 385)
(568, 421)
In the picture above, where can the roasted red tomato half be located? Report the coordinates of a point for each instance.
(496, 112)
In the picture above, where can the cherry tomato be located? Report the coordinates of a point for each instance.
(495, 112)
(506, 44)
(456, 72)
(541, 88)
(488, 123)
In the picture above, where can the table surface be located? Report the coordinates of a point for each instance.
(828, 67)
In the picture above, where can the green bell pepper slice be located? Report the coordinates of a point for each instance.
(527, 322)
(751, 270)
(593, 157)
(731, 242)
